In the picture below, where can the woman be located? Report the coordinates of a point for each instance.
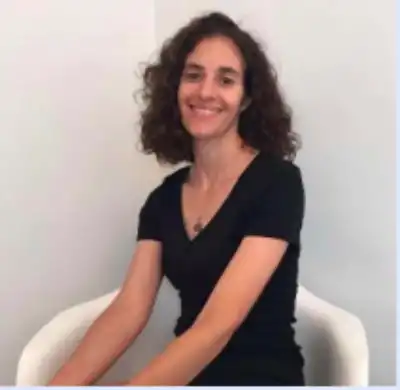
(225, 229)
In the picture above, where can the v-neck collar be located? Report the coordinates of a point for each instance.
(221, 208)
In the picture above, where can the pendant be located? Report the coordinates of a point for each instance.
(197, 227)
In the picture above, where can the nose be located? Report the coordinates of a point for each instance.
(207, 88)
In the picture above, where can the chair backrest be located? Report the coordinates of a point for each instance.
(333, 343)
(313, 342)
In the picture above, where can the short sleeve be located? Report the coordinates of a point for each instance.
(280, 210)
(149, 218)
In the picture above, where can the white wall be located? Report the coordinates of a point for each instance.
(73, 182)
(336, 60)
(71, 179)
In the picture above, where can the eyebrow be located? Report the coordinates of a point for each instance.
(222, 69)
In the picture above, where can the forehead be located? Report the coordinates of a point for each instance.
(216, 52)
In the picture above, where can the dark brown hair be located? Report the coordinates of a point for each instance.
(264, 125)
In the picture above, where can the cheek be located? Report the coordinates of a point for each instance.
(234, 100)
(185, 90)
(234, 105)
(183, 93)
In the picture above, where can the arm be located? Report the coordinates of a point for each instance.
(227, 307)
(120, 323)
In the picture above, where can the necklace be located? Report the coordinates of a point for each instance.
(198, 226)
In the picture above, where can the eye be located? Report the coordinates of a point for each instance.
(227, 81)
(191, 76)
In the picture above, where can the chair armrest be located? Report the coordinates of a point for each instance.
(53, 344)
(344, 335)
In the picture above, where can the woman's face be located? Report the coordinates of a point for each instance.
(211, 90)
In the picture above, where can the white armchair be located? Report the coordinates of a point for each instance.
(334, 343)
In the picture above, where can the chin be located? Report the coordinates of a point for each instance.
(203, 130)
(204, 134)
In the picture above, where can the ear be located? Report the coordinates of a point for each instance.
(246, 102)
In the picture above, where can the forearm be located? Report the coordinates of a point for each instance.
(183, 359)
(104, 342)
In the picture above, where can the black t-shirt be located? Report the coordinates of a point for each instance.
(267, 200)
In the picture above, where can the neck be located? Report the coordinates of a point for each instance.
(219, 159)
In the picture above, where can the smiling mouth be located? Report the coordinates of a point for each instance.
(204, 111)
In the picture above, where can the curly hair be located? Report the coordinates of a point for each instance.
(265, 125)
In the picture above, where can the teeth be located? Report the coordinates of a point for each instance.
(205, 111)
